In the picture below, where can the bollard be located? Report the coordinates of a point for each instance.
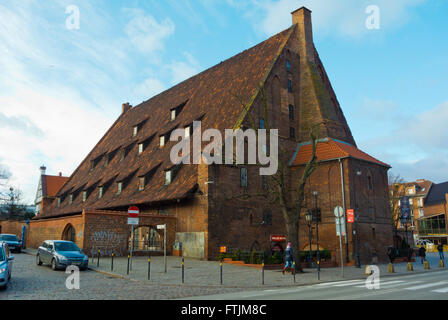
(409, 267)
(149, 268)
(368, 271)
(426, 263)
(112, 263)
(262, 272)
(294, 270)
(183, 276)
(441, 263)
(391, 268)
(129, 257)
(98, 260)
(220, 270)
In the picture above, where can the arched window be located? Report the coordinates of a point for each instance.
(69, 233)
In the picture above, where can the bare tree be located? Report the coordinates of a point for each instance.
(395, 182)
(279, 188)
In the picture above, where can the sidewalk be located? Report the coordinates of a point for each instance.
(207, 273)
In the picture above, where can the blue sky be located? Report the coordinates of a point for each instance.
(61, 89)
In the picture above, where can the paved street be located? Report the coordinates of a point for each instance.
(423, 286)
(30, 281)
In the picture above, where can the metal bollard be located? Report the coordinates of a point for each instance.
(294, 270)
(220, 268)
(129, 257)
(98, 260)
(183, 278)
(262, 272)
(112, 263)
(149, 268)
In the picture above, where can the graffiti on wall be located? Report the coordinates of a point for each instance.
(108, 242)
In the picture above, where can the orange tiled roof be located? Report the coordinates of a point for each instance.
(213, 96)
(53, 184)
(330, 149)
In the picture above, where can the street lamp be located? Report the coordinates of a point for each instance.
(316, 216)
(309, 222)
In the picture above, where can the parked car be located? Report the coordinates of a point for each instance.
(5, 265)
(61, 254)
(14, 244)
(424, 242)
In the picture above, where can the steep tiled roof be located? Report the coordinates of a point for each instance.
(212, 96)
(52, 184)
(437, 193)
(330, 149)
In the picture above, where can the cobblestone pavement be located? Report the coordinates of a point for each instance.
(207, 273)
(30, 281)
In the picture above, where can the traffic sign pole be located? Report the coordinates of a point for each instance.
(133, 213)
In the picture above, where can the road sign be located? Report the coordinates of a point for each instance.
(340, 226)
(133, 212)
(338, 212)
(350, 215)
(133, 221)
(278, 238)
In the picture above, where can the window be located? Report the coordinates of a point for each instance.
(267, 217)
(411, 191)
(135, 131)
(59, 201)
(289, 85)
(141, 183)
(162, 211)
(122, 155)
(411, 201)
(84, 196)
(291, 112)
(173, 114)
(421, 213)
(262, 126)
(369, 183)
(162, 141)
(168, 177)
(140, 148)
(106, 161)
(100, 192)
(292, 133)
(187, 132)
(70, 199)
(243, 177)
(120, 187)
(288, 65)
(420, 202)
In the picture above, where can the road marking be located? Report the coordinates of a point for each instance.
(383, 283)
(388, 285)
(350, 284)
(338, 282)
(435, 284)
(443, 290)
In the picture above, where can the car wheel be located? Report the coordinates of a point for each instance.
(53, 264)
(9, 276)
(38, 262)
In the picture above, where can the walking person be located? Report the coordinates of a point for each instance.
(289, 257)
(422, 253)
(440, 249)
(391, 254)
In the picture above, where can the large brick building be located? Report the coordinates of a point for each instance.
(131, 164)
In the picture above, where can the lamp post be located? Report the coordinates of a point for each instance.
(316, 216)
(357, 259)
(309, 221)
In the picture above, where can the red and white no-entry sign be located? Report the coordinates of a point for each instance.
(133, 212)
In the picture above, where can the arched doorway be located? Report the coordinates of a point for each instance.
(147, 238)
(69, 233)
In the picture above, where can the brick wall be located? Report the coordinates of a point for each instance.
(12, 227)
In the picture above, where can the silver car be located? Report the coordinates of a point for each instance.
(61, 254)
(5, 265)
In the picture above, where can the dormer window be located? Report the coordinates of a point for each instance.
(176, 111)
(141, 183)
(59, 201)
(288, 65)
(135, 132)
(187, 131)
(70, 199)
(162, 141)
(140, 148)
(84, 196)
(120, 187)
(173, 114)
(168, 176)
(100, 192)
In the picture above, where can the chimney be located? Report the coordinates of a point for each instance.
(126, 107)
(60, 174)
(302, 18)
(42, 170)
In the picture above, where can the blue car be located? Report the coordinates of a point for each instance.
(61, 254)
(5, 265)
(14, 244)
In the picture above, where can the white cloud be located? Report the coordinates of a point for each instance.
(342, 17)
(182, 70)
(146, 33)
(147, 89)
